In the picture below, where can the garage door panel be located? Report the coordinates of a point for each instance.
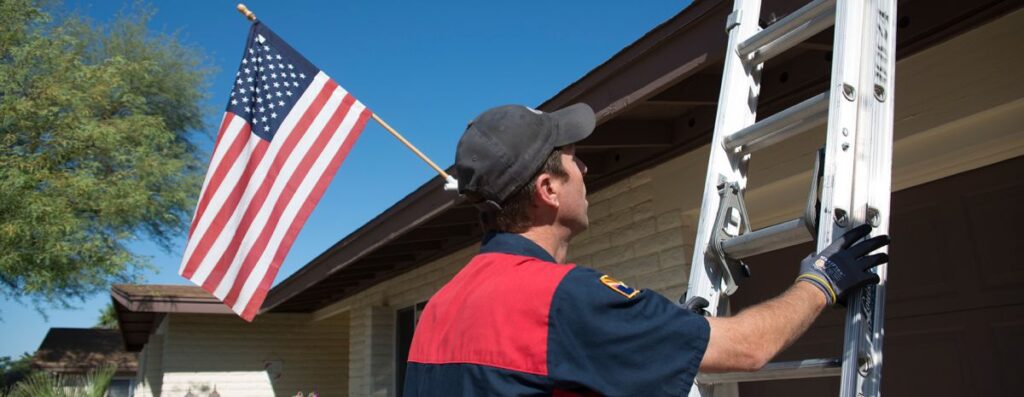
(1008, 339)
(920, 238)
(955, 305)
(917, 350)
(992, 217)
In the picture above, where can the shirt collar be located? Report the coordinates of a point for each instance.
(514, 244)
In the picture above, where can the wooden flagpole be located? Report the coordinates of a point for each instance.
(245, 11)
(450, 182)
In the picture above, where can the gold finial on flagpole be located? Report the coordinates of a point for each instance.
(245, 11)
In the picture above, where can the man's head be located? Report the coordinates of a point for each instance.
(513, 160)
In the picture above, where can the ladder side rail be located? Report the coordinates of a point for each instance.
(864, 329)
(837, 190)
(736, 110)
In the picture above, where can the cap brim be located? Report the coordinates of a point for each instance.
(575, 123)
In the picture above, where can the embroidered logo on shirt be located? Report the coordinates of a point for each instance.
(619, 286)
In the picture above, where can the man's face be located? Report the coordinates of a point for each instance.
(573, 197)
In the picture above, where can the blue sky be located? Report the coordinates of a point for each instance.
(426, 68)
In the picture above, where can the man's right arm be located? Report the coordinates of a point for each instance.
(751, 338)
(748, 340)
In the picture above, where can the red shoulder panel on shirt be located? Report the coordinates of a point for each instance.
(494, 312)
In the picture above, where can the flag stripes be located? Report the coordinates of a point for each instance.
(258, 194)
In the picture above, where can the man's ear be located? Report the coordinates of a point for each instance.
(546, 191)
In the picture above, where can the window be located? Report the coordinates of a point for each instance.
(120, 388)
(405, 325)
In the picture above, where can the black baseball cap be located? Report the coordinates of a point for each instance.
(504, 147)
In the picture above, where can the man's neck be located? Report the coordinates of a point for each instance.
(553, 241)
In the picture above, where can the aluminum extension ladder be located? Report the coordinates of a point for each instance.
(853, 172)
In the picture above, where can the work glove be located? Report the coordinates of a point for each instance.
(842, 266)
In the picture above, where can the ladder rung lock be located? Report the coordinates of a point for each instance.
(814, 368)
(803, 23)
(771, 238)
(799, 118)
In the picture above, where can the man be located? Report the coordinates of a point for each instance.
(517, 320)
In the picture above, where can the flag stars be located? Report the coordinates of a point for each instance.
(280, 65)
(273, 75)
(290, 66)
(270, 106)
(280, 103)
(247, 71)
(277, 85)
(293, 75)
(302, 75)
(259, 100)
(273, 115)
(289, 93)
(278, 93)
(245, 99)
(241, 90)
(262, 109)
(278, 56)
(234, 102)
(264, 119)
(272, 67)
(248, 79)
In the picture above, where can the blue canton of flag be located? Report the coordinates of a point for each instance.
(268, 82)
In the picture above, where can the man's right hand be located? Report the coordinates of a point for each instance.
(844, 266)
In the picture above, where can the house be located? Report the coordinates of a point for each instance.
(955, 294)
(78, 351)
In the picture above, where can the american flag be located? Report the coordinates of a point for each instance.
(285, 132)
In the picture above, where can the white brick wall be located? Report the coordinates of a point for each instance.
(202, 353)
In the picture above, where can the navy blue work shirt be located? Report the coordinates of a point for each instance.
(513, 322)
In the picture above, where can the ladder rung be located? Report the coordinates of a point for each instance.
(803, 23)
(814, 368)
(801, 117)
(771, 238)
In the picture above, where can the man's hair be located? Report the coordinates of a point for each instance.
(514, 216)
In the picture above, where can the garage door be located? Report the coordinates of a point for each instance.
(955, 307)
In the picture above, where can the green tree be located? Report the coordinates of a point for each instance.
(42, 384)
(107, 318)
(13, 370)
(95, 121)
